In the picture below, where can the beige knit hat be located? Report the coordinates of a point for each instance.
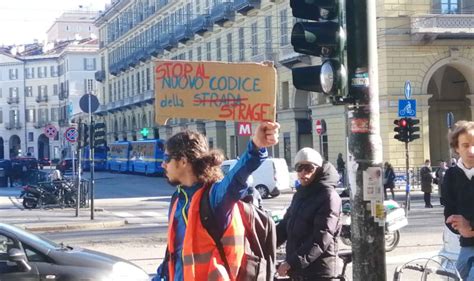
(309, 155)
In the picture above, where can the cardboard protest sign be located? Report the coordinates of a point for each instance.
(214, 91)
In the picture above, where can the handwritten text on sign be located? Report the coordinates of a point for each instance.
(214, 91)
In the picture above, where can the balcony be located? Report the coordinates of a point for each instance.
(13, 126)
(267, 56)
(13, 100)
(183, 33)
(288, 57)
(99, 76)
(113, 69)
(222, 13)
(202, 24)
(427, 28)
(40, 124)
(154, 49)
(168, 42)
(143, 56)
(40, 99)
(244, 6)
(63, 95)
(123, 65)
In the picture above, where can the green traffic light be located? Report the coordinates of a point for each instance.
(144, 132)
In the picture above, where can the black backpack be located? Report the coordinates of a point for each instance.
(260, 240)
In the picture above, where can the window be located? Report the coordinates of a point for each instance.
(148, 79)
(89, 63)
(241, 44)
(6, 244)
(143, 81)
(54, 114)
(14, 116)
(40, 72)
(133, 84)
(55, 90)
(31, 136)
(199, 53)
(28, 73)
(283, 27)
(30, 115)
(268, 34)
(42, 91)
(197, 4)
(218, 49)
(208, 51)
(43, 115)
(1, 116)
(449, 6)
(138, 82)
(29, 91)
(254, 39)
(190, 55)
(119, 89)
(14, 92)
(13, 74)
(53, 71)
(229, 47)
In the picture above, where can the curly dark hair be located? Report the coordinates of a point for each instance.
(193, 146)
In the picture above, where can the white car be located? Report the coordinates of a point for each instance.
(269, 179)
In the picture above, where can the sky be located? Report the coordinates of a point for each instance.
(22, 21)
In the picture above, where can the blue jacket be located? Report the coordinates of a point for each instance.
(224, 194)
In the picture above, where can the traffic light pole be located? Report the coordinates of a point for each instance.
(79, 169)
(365, 143)
(91, 162)
(407, 175)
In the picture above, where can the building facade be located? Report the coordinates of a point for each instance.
(73, 25)
(41, 90)
(428, 42)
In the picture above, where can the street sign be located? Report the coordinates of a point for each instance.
(407, 89)
(245, 129)
(71, 134)
(86, 100)
(320, 126)
(50, 131)
(450, 120)
(406, 108)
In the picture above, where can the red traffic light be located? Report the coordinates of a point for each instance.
(403, 122)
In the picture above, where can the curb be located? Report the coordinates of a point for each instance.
(72, 226)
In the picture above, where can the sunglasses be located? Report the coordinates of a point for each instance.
(308, 168)
(167, 158)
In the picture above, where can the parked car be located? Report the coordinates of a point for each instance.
(44, 162)
(269, 179)
(28, 257)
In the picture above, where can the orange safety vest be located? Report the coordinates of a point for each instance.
(201, 258)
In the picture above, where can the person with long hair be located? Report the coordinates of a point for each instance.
(193, 168)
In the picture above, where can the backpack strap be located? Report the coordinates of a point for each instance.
(208, 220)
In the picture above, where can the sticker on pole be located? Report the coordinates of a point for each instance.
(50, 131)
(71, 134)
(215, 91)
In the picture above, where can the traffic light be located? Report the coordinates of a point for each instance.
(84, 135)
(99, 134)
(401, 129)
(412, 129)
(323, 37)
(144, 133)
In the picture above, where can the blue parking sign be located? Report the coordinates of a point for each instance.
(406, 108)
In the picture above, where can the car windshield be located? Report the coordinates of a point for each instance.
(37, 240)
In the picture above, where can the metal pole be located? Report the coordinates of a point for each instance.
(365, 143)
(79, 170)
(407, 175)
(236, 129)
(91, 155)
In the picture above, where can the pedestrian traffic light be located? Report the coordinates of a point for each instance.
(324, 37)
(412, 129)
(401, 129)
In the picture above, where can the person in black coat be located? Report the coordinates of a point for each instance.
(311, 225)
(458, 195)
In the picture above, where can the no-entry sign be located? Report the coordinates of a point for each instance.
(320, 127)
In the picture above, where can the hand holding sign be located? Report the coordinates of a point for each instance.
(215, 91)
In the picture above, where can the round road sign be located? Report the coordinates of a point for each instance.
(319, 127)
(50, 131)
(71, 134)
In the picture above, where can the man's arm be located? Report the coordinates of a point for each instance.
(449, 195)
(227, 192)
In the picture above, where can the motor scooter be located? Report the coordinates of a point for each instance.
(394, 221)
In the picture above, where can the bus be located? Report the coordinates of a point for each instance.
(118, 156)
(146, 157)
(100, 158)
